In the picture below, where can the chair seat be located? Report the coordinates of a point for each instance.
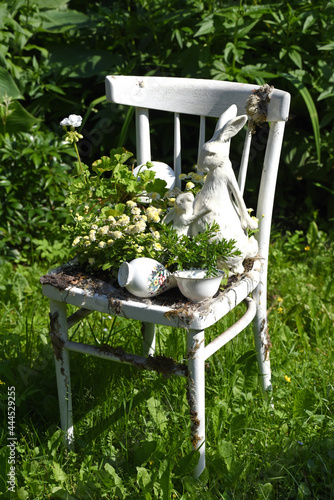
(70, 285)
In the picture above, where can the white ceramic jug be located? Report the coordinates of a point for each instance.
(145, 277)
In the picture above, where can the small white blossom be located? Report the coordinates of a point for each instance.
(140, 226)
(155, 234)
(117, 235)
(76, 241)
(124, 220)
(131, 203)
(102, 244)
(173, 193)
(103, 230)
(72, 121)
(190, 185)
(131, 229)
(135, 211)
(154, 196)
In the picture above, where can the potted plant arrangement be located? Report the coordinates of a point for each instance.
(195, 261)
(112, 227)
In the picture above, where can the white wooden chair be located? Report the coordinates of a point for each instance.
(205, 99)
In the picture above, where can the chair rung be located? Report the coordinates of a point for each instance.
(234, 330)
(161, 364)
(77, 316)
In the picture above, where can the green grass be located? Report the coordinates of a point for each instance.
(132, 428)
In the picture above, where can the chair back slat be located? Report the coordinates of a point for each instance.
(177, 149)
(201, 140)
(245, 159)
(143, 139)
(267, 187)
(190, 95)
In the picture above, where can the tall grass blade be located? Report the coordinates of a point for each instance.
(302, 89)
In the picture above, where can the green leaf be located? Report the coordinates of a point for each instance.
(187, 464)
(64, 20)
(206, 27)
(296, 58)
(304, 400)
(143, 478)
(157, 413)
(328, 46)
(8, 87)
(226, 451)
(19, 120)
(246, 29)
(117, 480)
(50, 4)
(58, 473)
(311, 109)
(144, 451)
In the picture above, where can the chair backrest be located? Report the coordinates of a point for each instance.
(205, 98)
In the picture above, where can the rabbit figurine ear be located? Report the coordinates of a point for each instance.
(230, 113)
(230, 129)
(228, 125)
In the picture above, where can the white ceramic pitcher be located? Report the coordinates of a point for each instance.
(145, 277)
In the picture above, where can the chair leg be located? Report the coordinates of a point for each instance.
(196, 393)
(262, 338)
(58, 333)
(148, 339)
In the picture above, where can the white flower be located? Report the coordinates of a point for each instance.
(131, 229)
(190, 185)
(72, 121)
(140, 226)
(103, 230)
(173, 193)
(154, 196)
(92, 236)
(135, 211)
(76, 241)
(102, 244)
(155, 234)
(116, 234)
(91, 260)
(123, 220)
(131, 203)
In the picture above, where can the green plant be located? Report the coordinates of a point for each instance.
(33, 182)
(197, 252)
(118, 216)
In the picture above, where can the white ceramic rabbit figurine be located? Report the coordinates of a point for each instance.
(221, 194)
(182, 214)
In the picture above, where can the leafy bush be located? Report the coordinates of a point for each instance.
(55, 56)
(33, 182)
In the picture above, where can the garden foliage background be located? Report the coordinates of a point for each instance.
(54, 57)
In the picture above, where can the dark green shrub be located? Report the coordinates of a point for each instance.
(33, 182)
